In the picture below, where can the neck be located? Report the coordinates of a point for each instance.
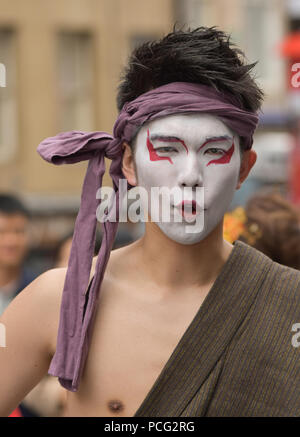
(9, 274)
(168, 264)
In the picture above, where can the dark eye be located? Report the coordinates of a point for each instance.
(166, 149)
(214, 151)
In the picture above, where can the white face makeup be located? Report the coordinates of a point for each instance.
(190, 150)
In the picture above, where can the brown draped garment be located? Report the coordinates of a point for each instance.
(236, 358)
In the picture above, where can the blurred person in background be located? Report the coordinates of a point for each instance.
(45, 399)
(14, 246)
(271, 224)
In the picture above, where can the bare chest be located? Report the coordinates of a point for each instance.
(133, 338)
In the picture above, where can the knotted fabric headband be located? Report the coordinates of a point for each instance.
(78, 308)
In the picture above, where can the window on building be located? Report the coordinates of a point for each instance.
(8, 103)
(263, 32)
(76, 81)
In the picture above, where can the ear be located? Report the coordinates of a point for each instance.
(248, 161)
(128, 167)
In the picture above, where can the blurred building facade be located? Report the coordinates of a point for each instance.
(63, 60)
(256, 26)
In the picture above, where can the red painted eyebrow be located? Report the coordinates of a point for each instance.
(152, 152)
(168, 139)
(215, 139)
(174, 139)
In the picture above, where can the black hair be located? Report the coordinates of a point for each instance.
(12, 205)
(203, 55)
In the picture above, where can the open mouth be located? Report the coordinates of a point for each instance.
(188, 208)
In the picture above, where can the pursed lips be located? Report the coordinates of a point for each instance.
(188, 206)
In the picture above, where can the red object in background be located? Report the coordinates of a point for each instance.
(290, 46)
(290, 49)
(16, 413)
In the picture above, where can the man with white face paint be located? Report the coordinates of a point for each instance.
(178, 323)
(202, 154)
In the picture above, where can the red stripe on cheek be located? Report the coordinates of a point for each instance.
(152, 153)
(225, 159)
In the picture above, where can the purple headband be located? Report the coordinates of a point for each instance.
(78, 307)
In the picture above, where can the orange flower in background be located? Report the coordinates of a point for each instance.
(234, 224)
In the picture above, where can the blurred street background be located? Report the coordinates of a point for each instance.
(60, 65)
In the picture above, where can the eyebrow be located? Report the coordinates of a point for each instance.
(174, 139)
(168, 139)
(215, 139)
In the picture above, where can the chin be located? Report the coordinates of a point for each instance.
(182, 237)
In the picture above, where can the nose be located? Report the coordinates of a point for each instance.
(191, 172)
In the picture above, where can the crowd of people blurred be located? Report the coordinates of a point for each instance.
(268, 222)
(271, 224)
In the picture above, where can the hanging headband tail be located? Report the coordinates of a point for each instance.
(68, 148)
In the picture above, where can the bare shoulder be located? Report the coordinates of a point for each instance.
(38, 305)
(47, 290)
(43, 292)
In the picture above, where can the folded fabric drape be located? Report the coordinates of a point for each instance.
(77, 311)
